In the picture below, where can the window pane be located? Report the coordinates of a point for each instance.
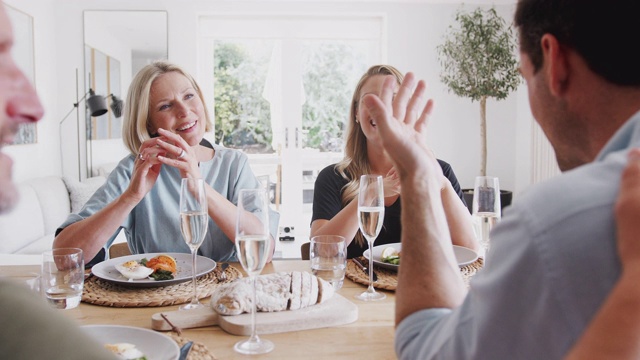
(331, 70)
(242, 114)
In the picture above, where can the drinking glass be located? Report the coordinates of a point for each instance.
(370, 218)
(194, 220)
(328, 255)
(252, 245)
(485, 207)
(63, 277)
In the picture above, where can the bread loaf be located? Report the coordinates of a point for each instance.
(274, 292)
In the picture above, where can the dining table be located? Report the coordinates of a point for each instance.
(370, 336)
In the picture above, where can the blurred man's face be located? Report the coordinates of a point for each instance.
(18, 104)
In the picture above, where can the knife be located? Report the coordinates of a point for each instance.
(365, 269)
(184, 350)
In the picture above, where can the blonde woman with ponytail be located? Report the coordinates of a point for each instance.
(334, 208)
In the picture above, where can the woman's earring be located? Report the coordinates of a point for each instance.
(357, 122)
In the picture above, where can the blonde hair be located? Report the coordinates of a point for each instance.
(136, 124)
(355, 162)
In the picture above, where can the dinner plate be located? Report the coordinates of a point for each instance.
(106, 270)
(154, 345)
(464, 256)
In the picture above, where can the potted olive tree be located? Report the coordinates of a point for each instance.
(478, 62)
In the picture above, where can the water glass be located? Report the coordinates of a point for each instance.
(63, 277)
(485, 207)
(328, 255)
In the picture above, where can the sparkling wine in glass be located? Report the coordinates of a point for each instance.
(485, 208)
(194, 219)
(252, 245)
(370, 219)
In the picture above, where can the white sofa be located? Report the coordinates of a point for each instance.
(45, 203)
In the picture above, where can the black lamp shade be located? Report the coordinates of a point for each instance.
(97, 104)
(116, 106)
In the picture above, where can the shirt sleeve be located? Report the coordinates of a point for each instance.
(247, 180)
(447, 170)
(327, 194)
(115, 185)
(511, 294)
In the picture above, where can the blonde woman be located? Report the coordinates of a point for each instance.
(334, 208)
(164, 126)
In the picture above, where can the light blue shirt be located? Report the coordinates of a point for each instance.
(154, 224)
(553, 261)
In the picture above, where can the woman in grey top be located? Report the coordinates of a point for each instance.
(165, 121)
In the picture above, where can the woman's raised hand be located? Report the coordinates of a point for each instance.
(402, 121)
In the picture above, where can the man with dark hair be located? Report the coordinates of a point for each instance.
(553, 258)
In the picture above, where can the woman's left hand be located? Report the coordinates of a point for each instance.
(179, 154)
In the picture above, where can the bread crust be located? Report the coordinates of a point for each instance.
(274, 292)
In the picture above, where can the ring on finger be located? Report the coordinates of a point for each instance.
(140, 156)
(181, 154)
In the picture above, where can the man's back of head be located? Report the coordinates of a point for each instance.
(602, 32)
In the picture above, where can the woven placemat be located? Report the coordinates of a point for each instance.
(101, 292)
(198, 350)
(388, 279)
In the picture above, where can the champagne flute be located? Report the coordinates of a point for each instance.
(370, 218)
(485, 207)
(252, 245)
(194, 220)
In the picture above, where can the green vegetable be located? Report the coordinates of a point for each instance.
(394, 259)
(162, 275)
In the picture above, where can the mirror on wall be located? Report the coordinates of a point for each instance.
(116, 45)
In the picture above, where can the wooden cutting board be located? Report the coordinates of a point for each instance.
(336, 311)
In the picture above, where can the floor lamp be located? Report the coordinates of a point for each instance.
(97, 106)
(116, 108)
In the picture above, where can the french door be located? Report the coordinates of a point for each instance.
(282, 88)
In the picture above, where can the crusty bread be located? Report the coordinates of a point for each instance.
(296, 287)
(325, 290)
(274, 292)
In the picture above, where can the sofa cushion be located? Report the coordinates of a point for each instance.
(43, 206)
(54, 201)
(80, 192)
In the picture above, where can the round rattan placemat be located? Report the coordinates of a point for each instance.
(198, 350)
(101, 292)
(388, 279)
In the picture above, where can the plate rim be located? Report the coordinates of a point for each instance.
(175, 346)
(395, 267)
(147, 282)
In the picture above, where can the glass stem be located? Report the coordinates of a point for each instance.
(194, 300)
(370, 288)
(254, 335)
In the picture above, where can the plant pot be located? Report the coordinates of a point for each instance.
(505, 198)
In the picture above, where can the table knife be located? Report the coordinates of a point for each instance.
(184, 350)
(364, 268)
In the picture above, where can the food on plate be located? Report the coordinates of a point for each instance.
(274, 292)
(161, 267)
(390, 255)
(164, 266)
(133, 270)
(126, 351)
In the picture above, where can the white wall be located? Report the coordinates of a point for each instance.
(414, 30)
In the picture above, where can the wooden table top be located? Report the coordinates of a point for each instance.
(371, 336)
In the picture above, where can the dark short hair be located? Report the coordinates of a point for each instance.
(604, 32)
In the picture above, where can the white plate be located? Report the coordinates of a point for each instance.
(154, 345)
(465, 256)
(106, 270)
